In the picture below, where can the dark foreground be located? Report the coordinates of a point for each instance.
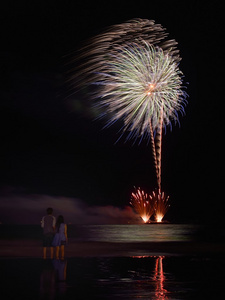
(166, 261)
(132, 277)
(106, 270)
(33, 248)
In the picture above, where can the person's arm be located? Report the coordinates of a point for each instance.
(65, 231)
(54, 222)
(43, 222)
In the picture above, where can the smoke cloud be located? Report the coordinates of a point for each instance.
(29, 209)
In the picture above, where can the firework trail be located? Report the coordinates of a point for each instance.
(134, 71)
(142, 204)
(141, 85)
(135, 66)
(158, 151)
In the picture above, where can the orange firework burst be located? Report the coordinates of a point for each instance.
(161, 205)
(143, 204)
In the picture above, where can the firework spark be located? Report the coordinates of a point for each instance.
(141, 85)
(92, 56)
(147, 205)
(136, 71)
(135, 68)
(142, 203)
(161, 204)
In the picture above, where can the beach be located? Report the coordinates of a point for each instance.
(167, 261)
(115, 240)
(33, 248)
(99, 270)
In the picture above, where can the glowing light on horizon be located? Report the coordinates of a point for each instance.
(161, 205)
(148, 205)
(142, 204)
(159, 217)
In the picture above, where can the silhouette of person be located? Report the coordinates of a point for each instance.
(48, 281)
(48, 223)
(53, 279)
(60, 238)
(61, 269)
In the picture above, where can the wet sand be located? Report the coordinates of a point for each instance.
(33, 248)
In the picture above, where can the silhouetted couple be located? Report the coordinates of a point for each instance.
(54, 234)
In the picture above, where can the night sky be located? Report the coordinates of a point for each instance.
(51, 146)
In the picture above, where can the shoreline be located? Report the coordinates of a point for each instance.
(24, 248)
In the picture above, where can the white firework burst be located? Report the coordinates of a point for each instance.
(141, 85)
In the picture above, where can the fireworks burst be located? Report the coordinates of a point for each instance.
(142, 86)
(142, 203)
(91, 58)
(134, 71)
(161, 204)
(147, 205)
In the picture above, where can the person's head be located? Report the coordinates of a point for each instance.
(60, 219)
(49, 211)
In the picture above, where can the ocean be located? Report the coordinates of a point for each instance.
(134, 276)
(109, 233)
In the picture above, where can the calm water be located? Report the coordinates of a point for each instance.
(135, 233)
(134, 277)
(110, 233)
(156, 278)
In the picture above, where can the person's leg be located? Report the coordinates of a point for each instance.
(62, 251)
(57, 252)
(44, 252)
(52, 252)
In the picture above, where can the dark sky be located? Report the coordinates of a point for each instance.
(50, 144)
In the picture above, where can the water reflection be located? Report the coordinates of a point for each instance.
(159, 278)
(138, 233)
(151, 282)
(145, 277)
(53, 279)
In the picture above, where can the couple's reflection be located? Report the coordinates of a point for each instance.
(53, 278)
